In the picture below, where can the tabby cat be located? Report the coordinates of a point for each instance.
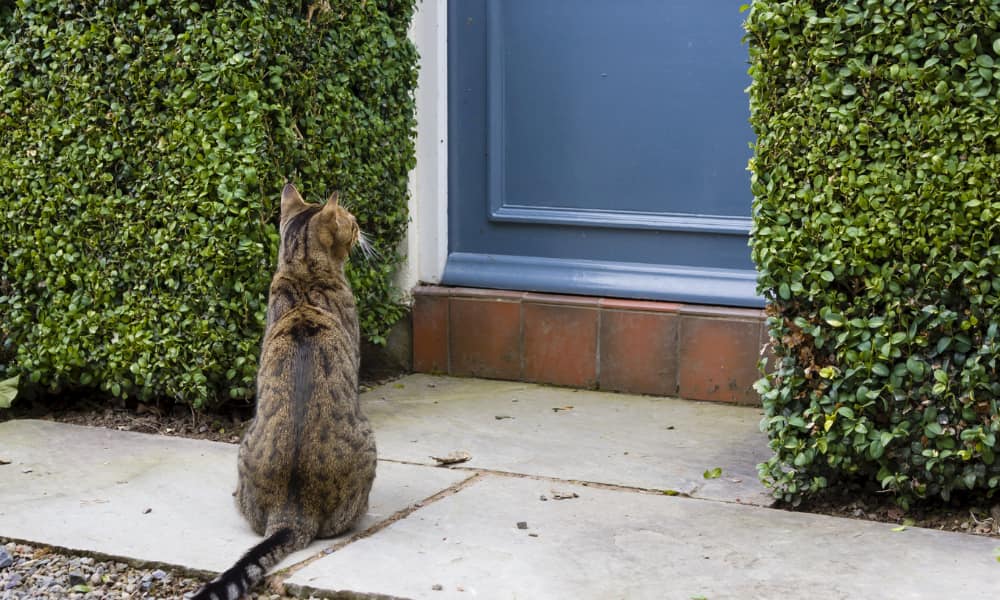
(307, 461)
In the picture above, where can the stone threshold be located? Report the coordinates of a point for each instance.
(696, 352)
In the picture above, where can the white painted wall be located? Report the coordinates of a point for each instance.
(426, 243)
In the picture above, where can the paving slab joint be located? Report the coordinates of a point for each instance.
(688, 493)
(276, 581)
(305, 591)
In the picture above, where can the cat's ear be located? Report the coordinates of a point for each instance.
(330, 208)
(291, 201)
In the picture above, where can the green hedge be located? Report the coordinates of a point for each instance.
(143, 146)
(876, 179)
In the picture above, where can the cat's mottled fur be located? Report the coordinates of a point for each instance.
(307, 460)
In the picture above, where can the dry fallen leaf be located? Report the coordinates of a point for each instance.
(459, 456)
(564, 495)
(560, 408)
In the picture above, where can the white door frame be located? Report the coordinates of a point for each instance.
(426, 243)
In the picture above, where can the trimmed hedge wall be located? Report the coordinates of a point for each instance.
(143, 146)
(876, 180)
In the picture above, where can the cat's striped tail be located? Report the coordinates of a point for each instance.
(236, 581)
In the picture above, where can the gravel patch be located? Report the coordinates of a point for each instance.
(38, 572)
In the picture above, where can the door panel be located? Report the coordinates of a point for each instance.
(600, 147)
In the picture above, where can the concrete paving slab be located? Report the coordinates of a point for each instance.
(609, 544)
(153, 498)
(639, 441)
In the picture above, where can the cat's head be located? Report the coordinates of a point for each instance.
(315, 234)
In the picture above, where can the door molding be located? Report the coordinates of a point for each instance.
(502, 211)
(735, 287)
(618, 219)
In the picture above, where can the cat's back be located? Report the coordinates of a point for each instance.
(309, 374)
(328, 326)
(310, 444)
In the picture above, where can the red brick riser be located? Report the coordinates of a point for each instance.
(660, 348)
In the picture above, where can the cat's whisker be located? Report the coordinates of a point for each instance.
(368, 250)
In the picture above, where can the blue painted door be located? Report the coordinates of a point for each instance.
(600, 147)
